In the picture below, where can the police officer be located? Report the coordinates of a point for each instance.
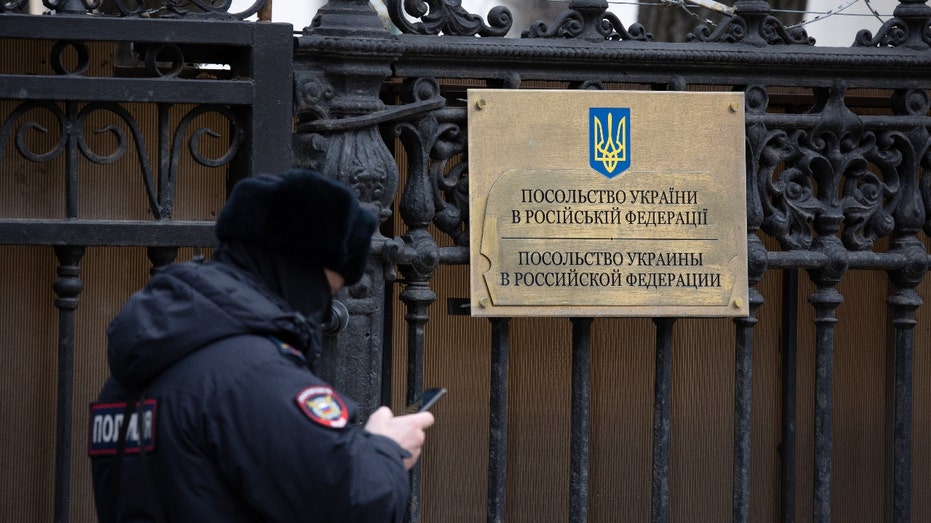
(212, 411)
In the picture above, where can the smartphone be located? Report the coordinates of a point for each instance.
(426, 400)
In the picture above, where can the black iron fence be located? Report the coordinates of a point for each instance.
(837, 140)
(179, 84)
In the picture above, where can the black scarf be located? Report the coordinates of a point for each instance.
(304, 287)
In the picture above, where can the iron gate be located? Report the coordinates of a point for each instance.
(837, 140)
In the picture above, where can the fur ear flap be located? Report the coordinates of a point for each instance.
(304, 215)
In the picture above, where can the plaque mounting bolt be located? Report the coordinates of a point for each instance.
(735, 107)
(483, 302)
(738, 303)
(481, 103)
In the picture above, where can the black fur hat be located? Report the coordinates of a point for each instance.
(301, 214)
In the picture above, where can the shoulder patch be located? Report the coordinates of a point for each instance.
(106, 421)
(289, 351)
(324, 406)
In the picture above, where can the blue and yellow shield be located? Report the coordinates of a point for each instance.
(609, 140)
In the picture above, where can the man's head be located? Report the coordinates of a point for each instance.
(303, 216)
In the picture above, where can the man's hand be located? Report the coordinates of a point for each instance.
(408, 431)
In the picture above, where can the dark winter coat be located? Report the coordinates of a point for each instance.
(241, 429)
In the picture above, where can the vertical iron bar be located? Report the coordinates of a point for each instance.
(662, 399)
(743, 409)
(387, 353)
(824, 422)
(902, 456)
(904, 302)
(67, 287)
(416, 326)
(498, 420)
(416, 336)
(71, 160)
(581, 407)
(743, 378)
(164, 163)
(271, 115)
(910, 217)
(743, 388)
(825, 299)
(789, 442)
(757, 264)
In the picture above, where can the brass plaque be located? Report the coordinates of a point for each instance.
(607, 203)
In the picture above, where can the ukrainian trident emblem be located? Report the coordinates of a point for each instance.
(609, 140)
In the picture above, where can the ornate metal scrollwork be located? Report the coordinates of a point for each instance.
(910, 27)
(71, 7)
(312, 96)
(914, 208)
(217, 9)
(793, 205)
(317, 137)
(838, 173)
(434, 142)
(588, 20)
(447, 17)
(752, 24)
(756, 100)
(925, 189)
(197, 135)
(783, 204)
(206, 9)
(71, 122)
(869, 200)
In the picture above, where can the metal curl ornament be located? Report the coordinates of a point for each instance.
(218, 10)
(910, 27)
(71, 7)
(447, 17)
(752, 24)
(121, 144)
(23, 130)
(194, 142)
(868, 200)
(588, 20)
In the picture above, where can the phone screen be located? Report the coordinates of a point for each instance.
(427, 400)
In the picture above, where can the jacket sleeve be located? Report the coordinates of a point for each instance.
(292, 462)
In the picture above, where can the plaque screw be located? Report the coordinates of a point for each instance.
(480, 103)
(483, 302)
(734, 107)
(738, 303)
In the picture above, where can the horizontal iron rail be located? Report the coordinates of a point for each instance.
(637, 62)
(775, 259)
(125, 29)
(855, 259)
(148, 90)
(107, 232)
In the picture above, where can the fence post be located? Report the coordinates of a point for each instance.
(337, 105)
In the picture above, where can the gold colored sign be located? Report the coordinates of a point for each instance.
(607, 203)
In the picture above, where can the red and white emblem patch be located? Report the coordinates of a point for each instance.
(324, 406)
